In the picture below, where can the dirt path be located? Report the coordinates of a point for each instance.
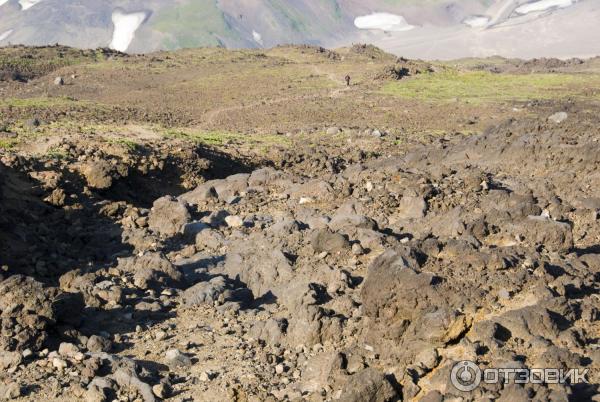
(211, 116)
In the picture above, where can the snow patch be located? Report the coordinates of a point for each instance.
(125, 27)
(26, 4)
(383, 21)
(257, 37)
(543, 5)
(5, 34)
(3, 1)
(477, 21)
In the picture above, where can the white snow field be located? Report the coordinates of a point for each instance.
(257, 37)
(4, 35)
(26, 4)
(477, 21)
(3, 1)
(562, 32)
(383, 21)
(125, 27)
(543, 5)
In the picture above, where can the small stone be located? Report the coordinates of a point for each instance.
(234, 221)
(56, 198)
(305, 200)
(161, 390)
(160, 335)
(59, 81)
(13, 391)
(95, 394)
(59, 363)
(208, 375)
(504, 294)
(175, 358)
(427, 358)
(558, 117)
(98, 344)
(280, 368)
(357, 249)
(67, 349)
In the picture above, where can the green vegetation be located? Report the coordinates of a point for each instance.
(8, 143)
(126, 142)
(194, 23)
(56, 153)
(25, 63)
(219, 138)
(44, 102)
(485, 86)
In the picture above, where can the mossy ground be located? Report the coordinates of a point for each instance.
(250, 98)
(478, 86)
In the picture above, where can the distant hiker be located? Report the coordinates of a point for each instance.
(347, 80)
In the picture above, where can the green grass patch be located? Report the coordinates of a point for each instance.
(126, 142)
(35, 102)
(486, 87)
(57, 153)
(8, 143)
(220, 138)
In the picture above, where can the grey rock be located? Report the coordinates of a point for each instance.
(558, 117)
(168, 216)
(412, 207)
(98, 343)
(151, 270)
(175, 358)
(368, 385)
(325, 240)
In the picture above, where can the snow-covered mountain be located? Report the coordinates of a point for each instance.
(414, 28)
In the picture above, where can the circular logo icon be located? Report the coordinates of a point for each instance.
(465, 376)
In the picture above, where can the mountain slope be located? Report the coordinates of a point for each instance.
(432, 28)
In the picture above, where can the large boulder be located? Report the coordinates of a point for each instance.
(541, 231)
(98, 174)
(368, 385)
(325, 240)
(412, 207)
(259, 265)
(218, 288)
(168, 216)
(151, 270)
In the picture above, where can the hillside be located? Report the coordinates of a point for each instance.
(441, 29)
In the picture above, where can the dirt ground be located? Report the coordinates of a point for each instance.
(211, 225)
